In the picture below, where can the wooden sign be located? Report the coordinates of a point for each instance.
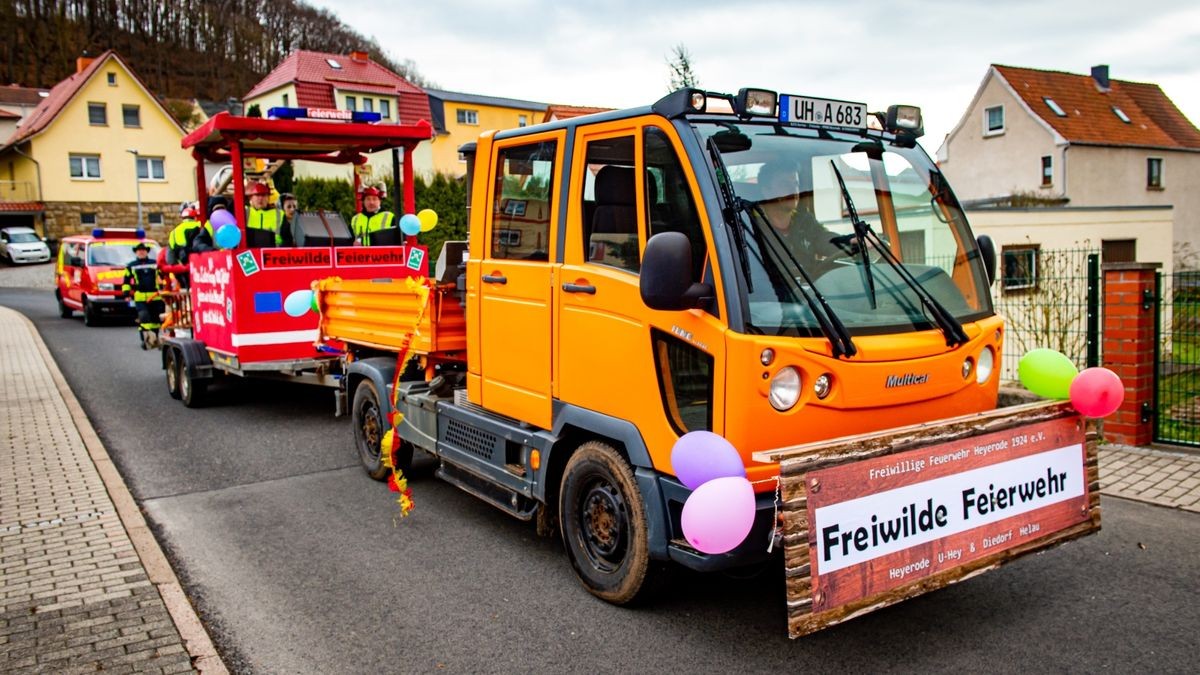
(874, 519)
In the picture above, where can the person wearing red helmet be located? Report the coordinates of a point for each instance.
(259, 217)
(371, 219)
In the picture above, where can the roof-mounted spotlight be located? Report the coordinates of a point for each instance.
(755, 103)
(682, 102)
(905, 119)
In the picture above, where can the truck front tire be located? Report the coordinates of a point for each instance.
(604, 528)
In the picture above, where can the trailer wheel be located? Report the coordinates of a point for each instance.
(366, 415)
(171, 365)
(604, 528)
(192, 390)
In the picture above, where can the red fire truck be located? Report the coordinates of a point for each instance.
(247, 312)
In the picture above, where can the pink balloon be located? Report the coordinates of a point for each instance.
(718, 515)
(700, 456)
(1097, 392)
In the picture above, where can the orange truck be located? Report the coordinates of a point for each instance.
(784, 271)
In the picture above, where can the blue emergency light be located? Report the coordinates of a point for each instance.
(101, 233)
(333, 114)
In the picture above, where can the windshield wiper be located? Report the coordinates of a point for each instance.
(949, 326)
(860, 234)
(831, 326)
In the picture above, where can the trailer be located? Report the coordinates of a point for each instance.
(248, 310)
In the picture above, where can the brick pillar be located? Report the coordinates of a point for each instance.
(1128, 338)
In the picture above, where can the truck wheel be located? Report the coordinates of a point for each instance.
(91, 316)
(171, 365)
(604, 527)
(193, 391)
(367, 418)
(63, 311)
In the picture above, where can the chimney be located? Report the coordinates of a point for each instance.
(83, 62)
(359, 56)
(1100, 76)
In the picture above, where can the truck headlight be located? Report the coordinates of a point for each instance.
(987, 360)
(785, 389)
(822, 385)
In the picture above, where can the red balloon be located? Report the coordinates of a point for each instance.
(1097, 392)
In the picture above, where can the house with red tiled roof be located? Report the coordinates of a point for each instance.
(15, 103)
(96, 149)
(345, 82)
(1079, 141)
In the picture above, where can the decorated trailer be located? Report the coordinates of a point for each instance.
(702, 331)
(248, 311)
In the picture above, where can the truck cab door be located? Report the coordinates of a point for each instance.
(515, 279)
(613, 355)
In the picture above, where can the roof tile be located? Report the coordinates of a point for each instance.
(1154, 119)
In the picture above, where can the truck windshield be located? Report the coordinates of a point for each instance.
(793, 201)
(113, 254)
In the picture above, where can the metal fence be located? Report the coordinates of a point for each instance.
(1177, 377)
(1049, 298)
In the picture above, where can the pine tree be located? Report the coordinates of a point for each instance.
(680, 65)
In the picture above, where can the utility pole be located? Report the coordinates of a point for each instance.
(137, 182)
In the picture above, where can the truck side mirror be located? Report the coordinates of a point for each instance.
(666, 278)
(987, 252)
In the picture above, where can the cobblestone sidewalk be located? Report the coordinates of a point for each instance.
(1149, 475)
(75, 596)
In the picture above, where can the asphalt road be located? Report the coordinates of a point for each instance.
(296, 562)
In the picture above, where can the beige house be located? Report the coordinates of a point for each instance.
(93, 149)
(1082, 141)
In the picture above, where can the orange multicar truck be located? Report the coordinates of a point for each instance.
(629, 279)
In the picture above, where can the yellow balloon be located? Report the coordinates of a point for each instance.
(428, 218)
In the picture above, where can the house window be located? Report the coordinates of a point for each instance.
(1020, 268)
(1047, 171)
(1121, 115)
(522, 120)
(351, 103)
(97, 114)
(1053, 106)
(132, 115)
(112, 79)
(1118, 250)
(85, 167)
(87, 219)
(155, 218)
(369, 104)
(1154, 177)
(468, 116)
(285, 100)
(150, 168)
(507, 237)
(385, 109)
(993, 120)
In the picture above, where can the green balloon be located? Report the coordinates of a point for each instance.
(1047, 373)
(315, 307)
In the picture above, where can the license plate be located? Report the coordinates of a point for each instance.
(822, 111)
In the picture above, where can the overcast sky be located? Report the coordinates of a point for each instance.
(925, 52)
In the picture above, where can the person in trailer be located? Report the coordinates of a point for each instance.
(371, 221)
(141, 286)
(263, 218)
(181, 240)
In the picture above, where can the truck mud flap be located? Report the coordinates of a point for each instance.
(874, 519)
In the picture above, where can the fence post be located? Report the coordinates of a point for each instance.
(1093, 310)
(1130, 315)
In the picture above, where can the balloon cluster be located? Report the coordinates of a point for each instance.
(227, 234)
(1095, 392)
(414, 224)
(719, 513)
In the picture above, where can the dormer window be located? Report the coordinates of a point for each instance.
(1054, 107)
(1121, 115)
(333, 64)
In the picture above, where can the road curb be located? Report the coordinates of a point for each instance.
(195, 639)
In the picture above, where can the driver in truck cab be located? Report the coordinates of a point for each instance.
(790, 212)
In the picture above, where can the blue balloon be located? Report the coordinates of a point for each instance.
(410, 224)
(701, 456)
(298, 303)
(221, 218)
(228, 236)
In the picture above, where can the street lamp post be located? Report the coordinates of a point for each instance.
(137, 182)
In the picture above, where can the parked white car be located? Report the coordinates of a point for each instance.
(22, 245)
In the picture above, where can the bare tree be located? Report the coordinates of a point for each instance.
(680, 65)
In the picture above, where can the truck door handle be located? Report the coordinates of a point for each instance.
(580, 288)
(497, 279)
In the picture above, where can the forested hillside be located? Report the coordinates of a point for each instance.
(207, 49)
